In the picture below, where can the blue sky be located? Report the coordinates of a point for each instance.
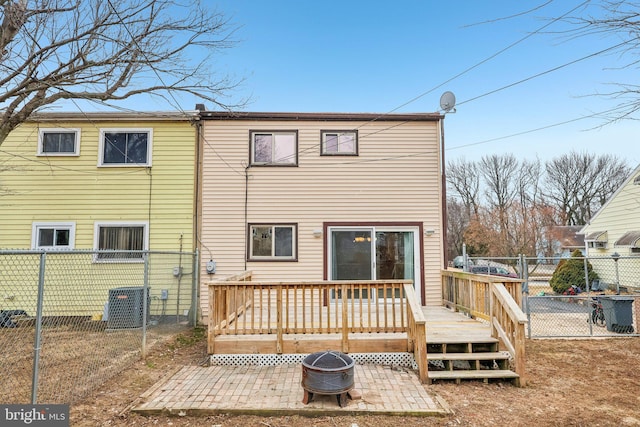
(363, 56)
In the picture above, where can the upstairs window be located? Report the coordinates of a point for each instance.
(125, 147)
(59, 142)
(274, 148)
(53, 235)
(272, 242)
(339, 143)
(123, 242)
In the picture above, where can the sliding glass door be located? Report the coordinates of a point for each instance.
(374, 253)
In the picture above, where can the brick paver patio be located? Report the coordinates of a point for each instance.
(276, 390)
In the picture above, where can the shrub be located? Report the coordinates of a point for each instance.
(570, 272)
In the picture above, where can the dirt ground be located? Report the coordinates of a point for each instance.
(570, 383)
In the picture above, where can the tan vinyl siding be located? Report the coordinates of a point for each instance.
(395, 178)
(75, 188)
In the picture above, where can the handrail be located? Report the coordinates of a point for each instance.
(508, 325)
(417, 333)
(494, 299)
(226, 308)
(315, 307)
(342, 308)
(469, 293)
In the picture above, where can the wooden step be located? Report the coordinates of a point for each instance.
(462, 340)
(482, 361)
(484, 375)
(484, 346)
(499, 355)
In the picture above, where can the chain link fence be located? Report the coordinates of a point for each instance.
(71, 320)
(584, 315)
(611, 290)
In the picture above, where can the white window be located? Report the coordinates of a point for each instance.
(59, 142)
(53, 235)
(272, 242)
(339, 143)
(597, 244)
(125, 147)
(274, 148)
(121, 241)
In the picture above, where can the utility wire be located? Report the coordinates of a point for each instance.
(486, 141)
(575, 61)
(484, 61)
(489, 58)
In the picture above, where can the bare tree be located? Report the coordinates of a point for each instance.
(578, 184)
(511, 216)
(104, 50)
(463, 178)
(457, 223)
(618, 20)
(500, 177)
(521, 203)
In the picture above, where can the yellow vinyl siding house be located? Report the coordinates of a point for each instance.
(89, 181)
(323, 196)
(615, 228)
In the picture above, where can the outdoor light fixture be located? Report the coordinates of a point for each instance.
(616, 257)
(429, 232)
(317, 233)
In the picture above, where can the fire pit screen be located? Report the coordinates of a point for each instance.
(327, 373)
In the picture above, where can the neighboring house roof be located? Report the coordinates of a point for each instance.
(568, 236)
(630, 238)
(235, 115)
(115, 115)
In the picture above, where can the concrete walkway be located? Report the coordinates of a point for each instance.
(276, 390)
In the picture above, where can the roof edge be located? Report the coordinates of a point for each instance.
(115, 115)
(292, 116)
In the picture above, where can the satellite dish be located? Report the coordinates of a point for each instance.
(447, 101)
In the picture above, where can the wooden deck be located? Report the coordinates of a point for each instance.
(248, 317)
(443, 325)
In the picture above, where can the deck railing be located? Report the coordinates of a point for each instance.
(494, 299)
(357, 316)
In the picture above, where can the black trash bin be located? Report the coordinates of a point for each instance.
(618, 314)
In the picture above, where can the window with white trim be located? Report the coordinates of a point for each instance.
(274, 148)
(273, 242)
(59, 142)
(339, 143)
(121, 241)
(125, 147)
(53, 235)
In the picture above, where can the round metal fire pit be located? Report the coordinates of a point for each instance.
(327, 373)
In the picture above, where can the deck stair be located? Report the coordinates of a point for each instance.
(457, 360)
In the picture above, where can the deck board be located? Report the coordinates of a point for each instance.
(444, 325)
